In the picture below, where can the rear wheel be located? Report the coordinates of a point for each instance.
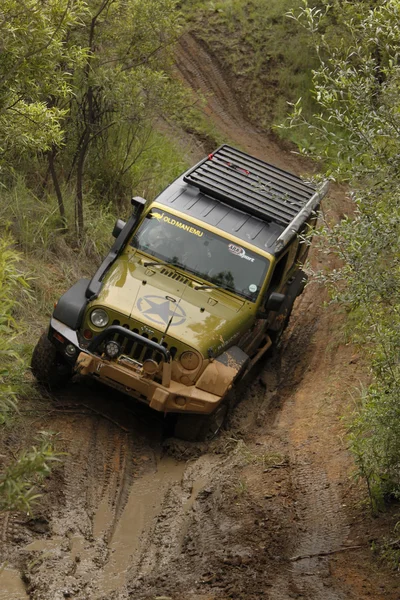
(276, 335)
(48, 366)
(201, 428)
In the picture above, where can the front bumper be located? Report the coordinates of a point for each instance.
(127, 376)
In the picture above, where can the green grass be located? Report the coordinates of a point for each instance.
(264, 51)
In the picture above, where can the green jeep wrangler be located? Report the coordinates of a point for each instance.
(198, 285)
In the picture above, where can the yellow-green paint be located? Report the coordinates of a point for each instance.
(145, 299)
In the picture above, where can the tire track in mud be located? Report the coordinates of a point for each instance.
(102, 462)
(315, 470)
(201, 72)
(115, 483)
(323, 529)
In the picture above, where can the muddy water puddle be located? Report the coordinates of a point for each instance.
(143, 505)
(11, 585)
(197, 486)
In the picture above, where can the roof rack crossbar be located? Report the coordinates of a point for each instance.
(285, 208)
(272, 215)
(266, 179)
(270, 171)
(252, 185)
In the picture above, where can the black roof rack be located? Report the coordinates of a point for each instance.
(250, 184)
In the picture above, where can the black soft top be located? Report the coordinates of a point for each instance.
(245, 197)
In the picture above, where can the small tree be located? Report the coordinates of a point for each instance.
(19, 481)
(34, 67)
(121, 86)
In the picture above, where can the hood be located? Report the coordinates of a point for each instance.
(158, 296)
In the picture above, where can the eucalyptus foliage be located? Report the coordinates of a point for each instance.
(356, 132)
(35, 62)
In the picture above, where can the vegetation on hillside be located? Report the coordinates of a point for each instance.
(269, 58)
(19, 478)
(357, 128)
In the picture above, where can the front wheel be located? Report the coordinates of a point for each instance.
(48, 365)
(202, 428)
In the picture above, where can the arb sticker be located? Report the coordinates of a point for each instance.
(252, 288)
(239, 251)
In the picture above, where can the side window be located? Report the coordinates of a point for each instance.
(302, 253)
(279, 271)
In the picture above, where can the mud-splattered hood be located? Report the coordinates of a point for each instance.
(161, 297)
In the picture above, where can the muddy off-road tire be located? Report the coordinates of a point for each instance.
(48, 366)
(201, 428)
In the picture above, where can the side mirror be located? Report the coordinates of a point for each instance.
(118, 227)
(275, 301)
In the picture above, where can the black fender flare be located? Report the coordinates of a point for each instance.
(71, 306)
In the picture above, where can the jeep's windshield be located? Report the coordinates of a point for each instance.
(201, 252)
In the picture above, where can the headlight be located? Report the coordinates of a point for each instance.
(99, 317)
(189, 360)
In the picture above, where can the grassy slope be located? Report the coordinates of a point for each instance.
(264, 52)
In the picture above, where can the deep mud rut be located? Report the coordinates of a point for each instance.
(264, 511)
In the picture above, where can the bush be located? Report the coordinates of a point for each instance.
(357, 89)
(11, 363)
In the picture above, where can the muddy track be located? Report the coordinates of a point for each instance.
(258, 513)
(202, 72)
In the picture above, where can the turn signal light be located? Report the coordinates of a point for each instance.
(59, 337)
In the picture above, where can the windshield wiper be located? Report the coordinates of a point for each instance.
(154, 264)
(177, 265)
(159, 263)
(210, 286)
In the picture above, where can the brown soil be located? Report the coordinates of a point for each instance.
(268, 510)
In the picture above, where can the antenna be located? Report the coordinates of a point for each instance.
(174, 313)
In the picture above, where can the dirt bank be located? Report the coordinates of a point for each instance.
(268, 510)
